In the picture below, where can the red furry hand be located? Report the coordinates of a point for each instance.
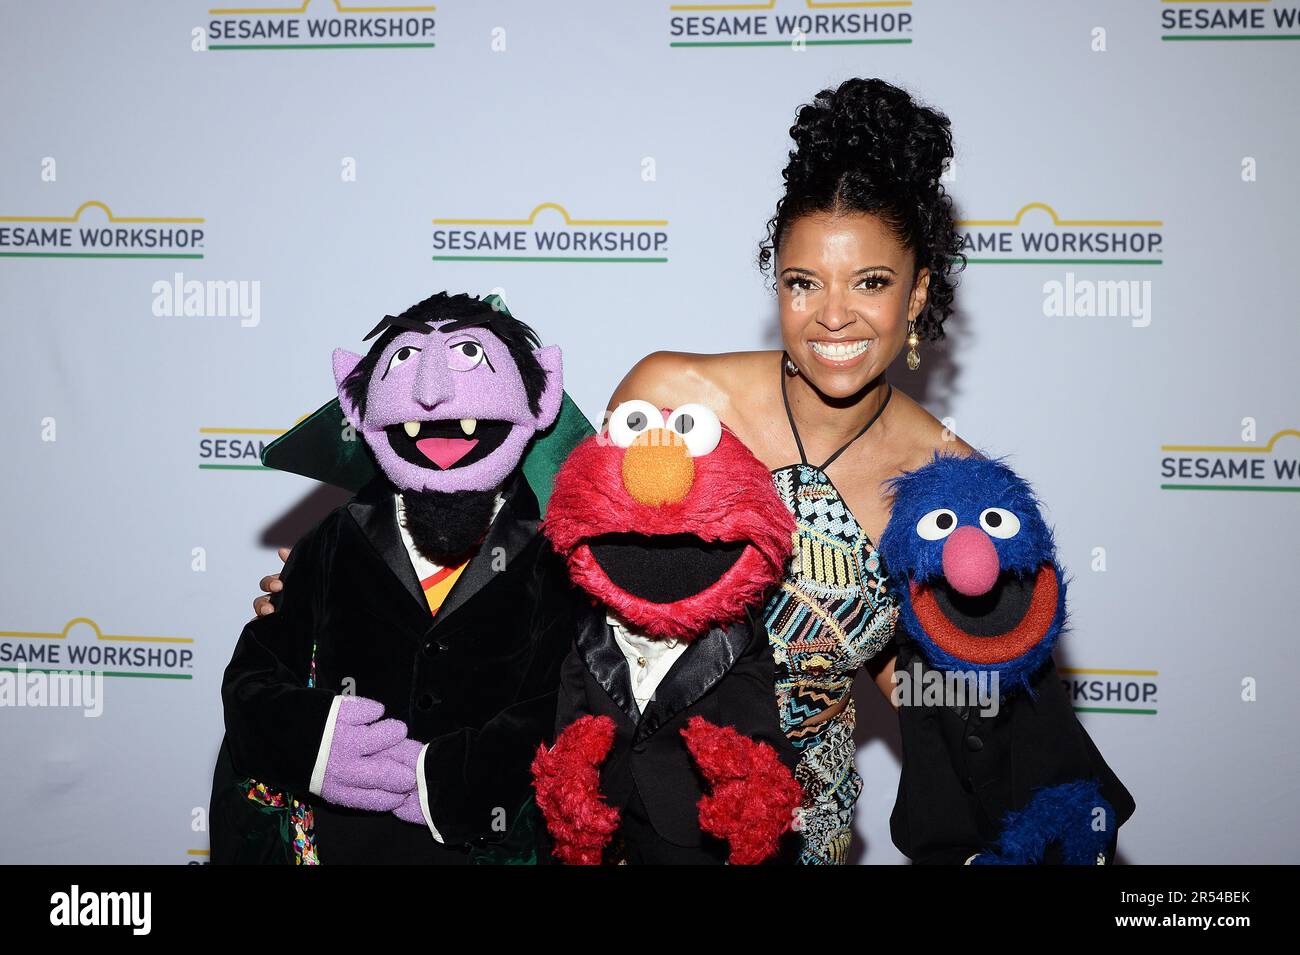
(754, 794)
(567, 782)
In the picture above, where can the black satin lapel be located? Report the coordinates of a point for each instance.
(514, 527)
(375, 512)
(606, 662)
(706, 661)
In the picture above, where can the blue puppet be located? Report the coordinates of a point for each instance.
(1010, 777)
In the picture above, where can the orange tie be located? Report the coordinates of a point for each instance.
(438, 584)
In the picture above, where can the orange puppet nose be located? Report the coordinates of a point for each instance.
(657, 468)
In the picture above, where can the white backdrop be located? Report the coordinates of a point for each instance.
(1146, 143)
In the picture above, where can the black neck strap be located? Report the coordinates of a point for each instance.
(785, 397)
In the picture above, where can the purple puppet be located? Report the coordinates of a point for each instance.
(388, 710)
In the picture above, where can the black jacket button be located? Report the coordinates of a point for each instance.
(967, 785)
(431, 647)
(974, 744)
(425, 702)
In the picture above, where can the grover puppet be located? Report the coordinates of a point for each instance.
(1013, 778)
(675, 531)
(410, 669)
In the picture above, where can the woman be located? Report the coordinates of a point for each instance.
(861, 247)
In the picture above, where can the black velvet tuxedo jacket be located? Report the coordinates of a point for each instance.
(963, 771)
(726, 676)
(477, 681)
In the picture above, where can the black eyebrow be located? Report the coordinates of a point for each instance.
(410, 324)
(865, 268)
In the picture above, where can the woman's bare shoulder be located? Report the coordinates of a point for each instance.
(926, 435)
(671, 378)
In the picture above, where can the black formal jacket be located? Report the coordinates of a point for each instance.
(725, 676)
(477, 682)
(963, 771)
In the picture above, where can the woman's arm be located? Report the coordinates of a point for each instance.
(881, 669)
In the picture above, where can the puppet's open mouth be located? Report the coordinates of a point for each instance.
(663, 568)
(445, 444)
(996, 627)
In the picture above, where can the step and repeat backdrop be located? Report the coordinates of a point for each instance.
(198, 203)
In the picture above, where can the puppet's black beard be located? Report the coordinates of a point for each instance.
(447, 526)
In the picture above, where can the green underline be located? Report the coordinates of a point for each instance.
(789, 42)
(537, 258)
(99, 255)
(1223, 487)
(1106, 709)
(319, 46)
(1235, 36)
(142, 676)
(1064, 261)
(234, 467)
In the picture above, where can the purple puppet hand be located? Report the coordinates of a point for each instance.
(361, 771)
(407, 753)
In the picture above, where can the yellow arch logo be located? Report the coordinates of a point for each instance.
(339, 7)
(1057, 221)
(112, 216)
(568, 219)
(1234, 449)
(99, 634)
(810, 4)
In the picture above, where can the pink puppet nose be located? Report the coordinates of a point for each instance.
(970, 561)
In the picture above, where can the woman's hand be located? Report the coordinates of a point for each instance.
(270, 585)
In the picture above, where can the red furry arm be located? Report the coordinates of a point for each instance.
(754, 794)
(567, 782)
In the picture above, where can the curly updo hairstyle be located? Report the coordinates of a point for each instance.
(868, 147)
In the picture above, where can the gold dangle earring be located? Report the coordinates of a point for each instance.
(913, 356)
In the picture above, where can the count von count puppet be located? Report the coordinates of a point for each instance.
(1010, 777)
(388, 710)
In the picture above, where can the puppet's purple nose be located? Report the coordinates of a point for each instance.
(970, 561)
(433, 383)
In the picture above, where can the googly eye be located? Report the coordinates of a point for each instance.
(698, 426)
(1000, 522)
(402, 355)
(465, 355)
(632, 419)
(937, 525)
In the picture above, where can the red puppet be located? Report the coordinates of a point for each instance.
(675, 530)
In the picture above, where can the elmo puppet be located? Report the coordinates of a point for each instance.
(675, 531)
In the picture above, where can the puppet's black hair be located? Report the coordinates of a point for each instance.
(459, 311)
(868, 147)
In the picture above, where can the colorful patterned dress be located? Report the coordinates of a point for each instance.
(833, 613)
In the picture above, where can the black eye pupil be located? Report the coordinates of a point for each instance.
(994, 519)
(471, 350)
(943, 521)
(636, 421)
(684, 424)
(403, 354)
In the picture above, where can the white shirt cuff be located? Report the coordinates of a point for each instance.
(323, 754)
(971, 859)
(424, 793)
